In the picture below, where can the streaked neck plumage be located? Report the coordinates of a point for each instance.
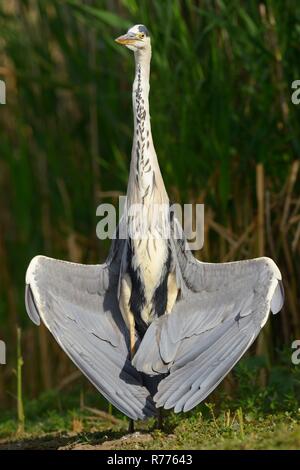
(148, 255)
(145, 184)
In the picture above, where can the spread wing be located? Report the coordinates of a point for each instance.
(222, 309)
(78, 304)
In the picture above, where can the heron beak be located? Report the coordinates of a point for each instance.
(126, 39)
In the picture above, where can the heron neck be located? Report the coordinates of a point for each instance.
(140, 91)
(144, 170)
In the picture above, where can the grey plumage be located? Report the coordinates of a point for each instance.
(210, 328)
(78, 304)
(152, 327)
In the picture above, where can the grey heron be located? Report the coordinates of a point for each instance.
(152, 326)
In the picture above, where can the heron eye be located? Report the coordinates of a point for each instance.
(141, 35)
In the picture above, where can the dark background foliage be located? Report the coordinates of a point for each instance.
(225, 130)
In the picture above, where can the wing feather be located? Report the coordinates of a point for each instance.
(78, 304)
(221, 312)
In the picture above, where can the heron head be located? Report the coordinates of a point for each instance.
(136, 38)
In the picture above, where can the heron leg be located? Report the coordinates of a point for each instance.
(131, 426)
(160, 418)
(132, 336)
(172, 292)
(124, 303)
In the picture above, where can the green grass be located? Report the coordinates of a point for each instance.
(226, 432)
(226, 429)
(249, 417)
